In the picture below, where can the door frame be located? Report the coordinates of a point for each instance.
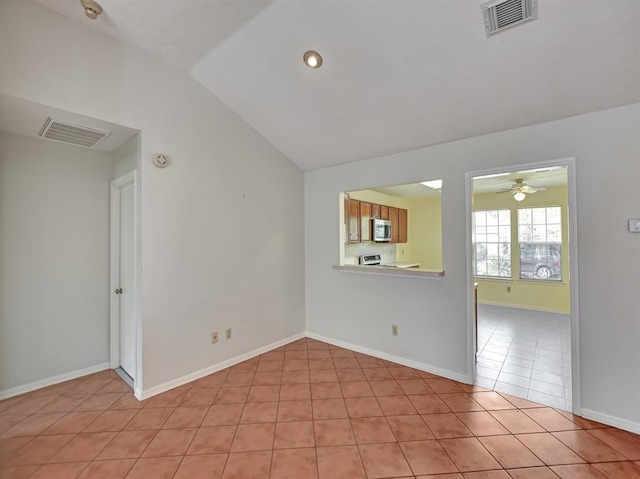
(128, 179)
(570, 163)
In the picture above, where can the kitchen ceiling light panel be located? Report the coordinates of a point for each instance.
(434, 184)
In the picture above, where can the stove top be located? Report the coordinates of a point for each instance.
(370, 259)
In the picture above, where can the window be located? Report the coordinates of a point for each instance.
(540, 238)
(492, 243)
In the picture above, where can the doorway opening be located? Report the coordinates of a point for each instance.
(124, 328)
(56, 243)
(522, 271)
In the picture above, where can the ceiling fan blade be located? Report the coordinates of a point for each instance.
(505, 191)
(528, 189)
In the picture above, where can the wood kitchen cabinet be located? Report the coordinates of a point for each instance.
(353, 220)
(394, 218)
(398, 218)
(365, 222)
(402, 225)
(358, 216)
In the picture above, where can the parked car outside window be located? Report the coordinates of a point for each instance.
(541, 261)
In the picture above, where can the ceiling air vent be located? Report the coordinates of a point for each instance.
(502, 14)
(75, 134)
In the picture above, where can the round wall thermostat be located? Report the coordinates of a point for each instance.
(160, 160)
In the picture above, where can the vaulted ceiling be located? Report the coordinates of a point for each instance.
(397, 75)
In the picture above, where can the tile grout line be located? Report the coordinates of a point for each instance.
(184, 456)
(389, 367)
(503, 362)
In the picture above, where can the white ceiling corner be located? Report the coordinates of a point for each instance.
(397, 75)
(180, 31)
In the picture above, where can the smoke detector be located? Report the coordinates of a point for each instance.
(70, 133)
(160, 160)
(91, 9)
(501, 15)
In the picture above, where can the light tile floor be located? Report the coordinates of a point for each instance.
(304, 411)
(525, 353)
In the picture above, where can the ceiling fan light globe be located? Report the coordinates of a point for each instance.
(519, 196)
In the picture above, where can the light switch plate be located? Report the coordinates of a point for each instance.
(634, 225)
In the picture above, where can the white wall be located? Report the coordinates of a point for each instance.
(432, 314)
(222, 225)
(54, 259)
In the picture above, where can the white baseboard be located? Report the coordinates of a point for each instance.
(609, 420)
(524, 306)
(174, 383)
(390, 357)
(60, 378)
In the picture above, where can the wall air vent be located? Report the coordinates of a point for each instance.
(500, 15)
(75, 134)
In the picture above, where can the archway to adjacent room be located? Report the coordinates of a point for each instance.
(522, 281)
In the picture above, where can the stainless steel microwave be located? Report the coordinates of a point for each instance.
(381, 230)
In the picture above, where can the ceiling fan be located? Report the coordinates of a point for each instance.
(520, 190)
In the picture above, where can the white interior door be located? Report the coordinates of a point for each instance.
(126, 296)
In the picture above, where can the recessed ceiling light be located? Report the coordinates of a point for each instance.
(312, 59)
(435, 184)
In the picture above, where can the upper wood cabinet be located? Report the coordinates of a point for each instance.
(365, 222)
(353, 221)
(358, 216)
(395, 222)
(402, 225)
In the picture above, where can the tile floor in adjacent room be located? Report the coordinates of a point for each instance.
(307, 410)
(525, 353)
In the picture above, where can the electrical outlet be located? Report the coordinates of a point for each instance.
(228, 333)
(214, 337)
(394, 329)
(508, 289)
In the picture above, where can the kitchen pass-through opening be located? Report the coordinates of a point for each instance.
(396, 226)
